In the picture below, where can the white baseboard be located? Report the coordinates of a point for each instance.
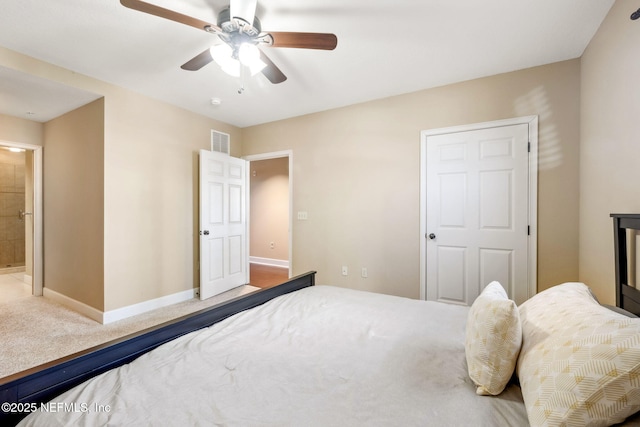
(75, 305)
(143, 307)
(269, 261)
(123, 312)
(27, 279)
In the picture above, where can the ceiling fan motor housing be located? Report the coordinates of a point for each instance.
(236, 25)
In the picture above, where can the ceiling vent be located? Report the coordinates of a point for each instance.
(220, 142)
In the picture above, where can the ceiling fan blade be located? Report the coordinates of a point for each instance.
(322, 41)
(198, 61)
(152, 9)
(271, 71)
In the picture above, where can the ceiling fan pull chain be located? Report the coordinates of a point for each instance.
(243, 74)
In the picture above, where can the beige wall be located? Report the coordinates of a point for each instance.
(610, 147)
(151, 199)
(270, 209)
(14, 129)
(356, 172)
(73, 204)
(149, 191)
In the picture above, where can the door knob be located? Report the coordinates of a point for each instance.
(205, 232)
(432, 236)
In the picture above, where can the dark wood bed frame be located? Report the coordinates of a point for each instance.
(627, 297)
(43, 383)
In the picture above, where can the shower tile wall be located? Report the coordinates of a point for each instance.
(12, 200)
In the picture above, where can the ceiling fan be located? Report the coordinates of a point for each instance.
(241, 33)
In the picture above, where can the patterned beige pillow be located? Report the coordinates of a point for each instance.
(493, 339)
(580, 362)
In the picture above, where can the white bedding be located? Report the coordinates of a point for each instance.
(321, 356)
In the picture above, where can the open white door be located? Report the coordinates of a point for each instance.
(224, 257)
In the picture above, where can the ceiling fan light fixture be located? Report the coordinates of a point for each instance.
(222, 54)
(256, 67)
(249, 56)
(231, 67)
(248, 53)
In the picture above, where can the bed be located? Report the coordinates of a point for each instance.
(301, 354)
(24, 390)
(625, 229)
(319, 356)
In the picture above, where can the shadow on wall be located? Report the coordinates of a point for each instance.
(549, 142)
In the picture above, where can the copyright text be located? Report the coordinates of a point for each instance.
(81, 407)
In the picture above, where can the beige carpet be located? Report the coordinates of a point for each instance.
(36, 330)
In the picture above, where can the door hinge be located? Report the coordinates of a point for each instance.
(528, 230)
(528, 147)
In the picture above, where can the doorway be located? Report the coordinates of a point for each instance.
(478, 210)
(270, 213)
(21, 215)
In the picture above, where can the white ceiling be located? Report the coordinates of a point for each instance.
(38, 99)
(384, 48)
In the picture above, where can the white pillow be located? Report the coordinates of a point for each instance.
(580, 362)
(493, 340)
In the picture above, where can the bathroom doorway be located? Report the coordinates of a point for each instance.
(20, 217)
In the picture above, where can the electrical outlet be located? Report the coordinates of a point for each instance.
(272, 245)
(365, 273)
(345, 270)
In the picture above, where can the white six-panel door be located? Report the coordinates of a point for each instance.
(477, 213)
(223, 223)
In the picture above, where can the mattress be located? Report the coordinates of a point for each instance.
(321, 356)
